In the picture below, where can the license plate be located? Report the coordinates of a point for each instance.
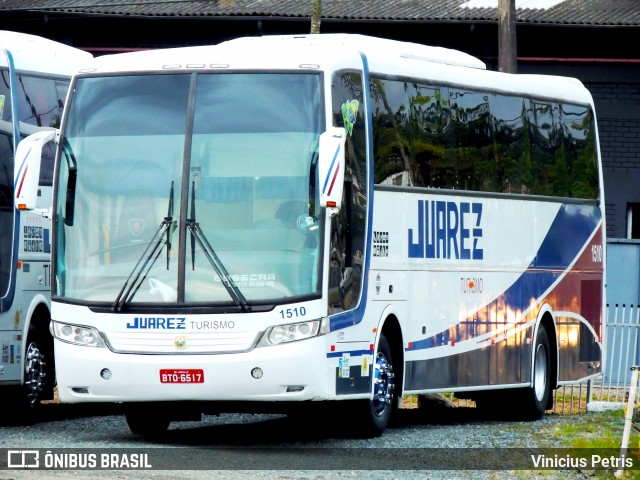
(173, 375)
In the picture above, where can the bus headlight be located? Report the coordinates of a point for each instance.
(291, 332)
(77, 334)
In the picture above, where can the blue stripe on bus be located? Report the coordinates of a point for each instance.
(353, 353)
(567, 235)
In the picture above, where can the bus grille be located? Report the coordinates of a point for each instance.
(182, 343)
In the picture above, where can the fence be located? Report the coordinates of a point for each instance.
(623, 335)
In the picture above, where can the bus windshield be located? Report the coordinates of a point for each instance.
(190, 188)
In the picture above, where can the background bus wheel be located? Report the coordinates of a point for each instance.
(23, 401)
(146, 420)
(536, 396)
(34, 374)
(373, 415)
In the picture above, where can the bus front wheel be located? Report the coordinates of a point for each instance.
(372, 416)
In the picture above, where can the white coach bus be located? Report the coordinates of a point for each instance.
(35, 74)
(277, 223)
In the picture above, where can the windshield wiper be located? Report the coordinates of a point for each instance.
(148, 258)
(198, 235)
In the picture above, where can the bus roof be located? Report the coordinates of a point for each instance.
(362, 43)
(385, 57)
(38, 54)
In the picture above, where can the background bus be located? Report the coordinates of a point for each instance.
(35, 78)
(277, 223)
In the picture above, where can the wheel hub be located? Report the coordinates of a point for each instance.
(540, 373)
(383, 384)
(34, 374)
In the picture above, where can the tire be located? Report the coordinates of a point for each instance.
(536, 397)
(38, 365)
(146, 421)
(372, 416)
(34, 373)
(22, 402)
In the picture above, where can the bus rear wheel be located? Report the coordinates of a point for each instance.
(535, 398)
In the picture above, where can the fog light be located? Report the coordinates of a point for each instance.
(106, 374)
(256, 373)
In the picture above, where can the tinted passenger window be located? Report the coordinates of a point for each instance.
(462, 139)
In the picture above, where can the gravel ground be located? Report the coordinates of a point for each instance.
(458, 429)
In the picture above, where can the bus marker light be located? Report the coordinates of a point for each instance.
(257, 373)
(106, 374)
(19, 264)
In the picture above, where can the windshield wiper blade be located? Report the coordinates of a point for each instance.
(193, 219)
(198, 235)
(147, 259)
(169, 219)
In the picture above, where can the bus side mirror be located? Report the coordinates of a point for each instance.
(26, 169)
(331, 167)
